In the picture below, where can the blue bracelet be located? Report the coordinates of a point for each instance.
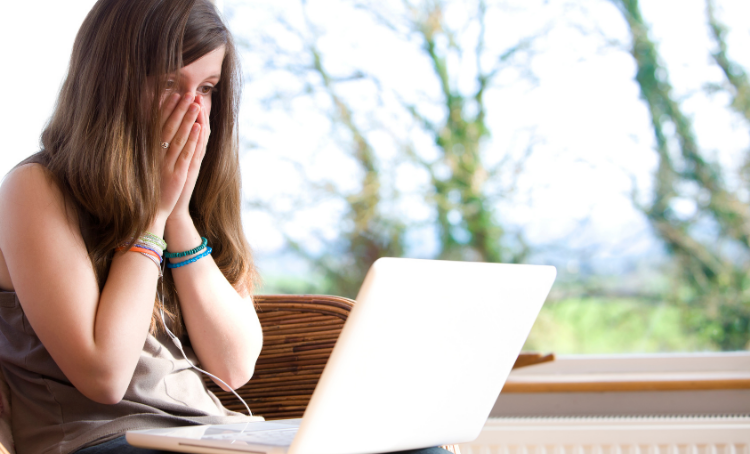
(189, 261)
(175, 255)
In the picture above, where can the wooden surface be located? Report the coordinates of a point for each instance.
(531, 358)
(581, 383)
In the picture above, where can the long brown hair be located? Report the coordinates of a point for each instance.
(102, 142)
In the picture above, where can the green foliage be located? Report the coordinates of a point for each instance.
(612, 325)
(720, 312)
(294, 285)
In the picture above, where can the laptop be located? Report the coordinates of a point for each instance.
(420, 362)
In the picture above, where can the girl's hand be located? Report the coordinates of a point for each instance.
(180, 130)
(181, 208)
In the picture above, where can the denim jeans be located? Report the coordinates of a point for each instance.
(120, 446)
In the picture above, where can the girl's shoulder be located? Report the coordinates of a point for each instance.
(29, 200)
(26, 186)
(29, 194)
(27, 169)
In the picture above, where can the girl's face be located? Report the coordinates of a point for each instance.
(199, 77)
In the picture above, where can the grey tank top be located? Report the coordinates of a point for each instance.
(49, 415)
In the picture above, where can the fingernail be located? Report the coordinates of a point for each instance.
(193, 108)
(189, 97)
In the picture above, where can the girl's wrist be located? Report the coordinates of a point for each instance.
(179, 221)
(158, 226)
(180, 233)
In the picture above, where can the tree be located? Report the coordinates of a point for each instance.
(460, 189)
(365, 231)
(711, 247)
(468, 225)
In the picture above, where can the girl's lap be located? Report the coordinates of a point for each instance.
(120, 446)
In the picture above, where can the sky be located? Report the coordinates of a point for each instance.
(595, 130)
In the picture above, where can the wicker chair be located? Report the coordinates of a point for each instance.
(299, 332)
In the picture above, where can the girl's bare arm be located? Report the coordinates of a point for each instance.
(222, 324)
(94, 337)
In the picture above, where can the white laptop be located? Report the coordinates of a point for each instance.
(419, 363)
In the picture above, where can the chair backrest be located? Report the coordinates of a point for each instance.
(299, 332)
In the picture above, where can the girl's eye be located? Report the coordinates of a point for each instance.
(170, 85)
(206, 89)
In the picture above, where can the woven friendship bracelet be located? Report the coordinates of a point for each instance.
(150, 240)
(174, 255)
(191, 260)
(149, 244)
(157, 240)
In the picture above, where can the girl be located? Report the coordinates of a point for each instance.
(141, 150)
(139, 165)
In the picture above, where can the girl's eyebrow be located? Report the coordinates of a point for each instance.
(212, 76)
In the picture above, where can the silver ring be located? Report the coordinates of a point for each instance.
(165, 145)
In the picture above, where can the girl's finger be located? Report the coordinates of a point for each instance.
(172, 125)
(182, 136)
(205, 131)
(168, 107)
(201, 121)
(186, 156)
(199, 101)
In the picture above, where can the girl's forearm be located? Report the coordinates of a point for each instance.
(222, 324)
(121, 325)
(121, 321)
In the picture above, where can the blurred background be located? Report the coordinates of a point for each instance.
(610, 138)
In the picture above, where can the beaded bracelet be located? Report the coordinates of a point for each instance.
(191, 260)
(174, 255)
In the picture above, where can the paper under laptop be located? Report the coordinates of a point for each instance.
(420, 362)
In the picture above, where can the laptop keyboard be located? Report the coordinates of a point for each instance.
(280, 437)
